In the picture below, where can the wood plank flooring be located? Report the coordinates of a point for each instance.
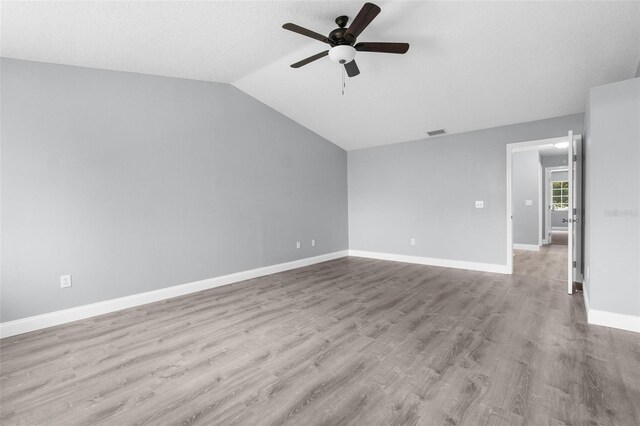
(350, 341)
(560, 237)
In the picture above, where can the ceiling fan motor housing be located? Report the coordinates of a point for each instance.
(339, 36)
(342, 54)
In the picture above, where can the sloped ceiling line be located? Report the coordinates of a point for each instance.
(471, 65)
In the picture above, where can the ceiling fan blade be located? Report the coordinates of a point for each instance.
(363, 19)
(305, 32)
(352, 68)
(383, 47)
(310, 59)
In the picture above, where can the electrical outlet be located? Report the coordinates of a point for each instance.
(479, 204)
(313, 243)
(297, 244)
(413, 241)
(65, 281)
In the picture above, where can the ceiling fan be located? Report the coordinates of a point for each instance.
(343, 40)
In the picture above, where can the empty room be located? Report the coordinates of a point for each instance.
(319, 212)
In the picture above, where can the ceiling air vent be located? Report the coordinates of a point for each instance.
(437, 132)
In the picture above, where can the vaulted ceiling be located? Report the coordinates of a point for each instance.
(471, 65)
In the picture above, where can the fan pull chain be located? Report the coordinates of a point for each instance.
(344, 84)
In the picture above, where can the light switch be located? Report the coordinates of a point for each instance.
(479, 204)
(528, 202)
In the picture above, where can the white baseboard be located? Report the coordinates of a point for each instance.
(530, 247)
(446, 263)
(614, 320)
(24, 325)
(610, 319)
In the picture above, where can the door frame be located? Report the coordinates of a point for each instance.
(548, 171)
(576, 213)
(533, 145)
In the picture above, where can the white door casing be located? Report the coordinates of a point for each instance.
(574, 260)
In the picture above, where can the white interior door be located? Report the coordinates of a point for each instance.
(548, 191)
(576, 214)
(570, 233)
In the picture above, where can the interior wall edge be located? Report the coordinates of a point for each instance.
(585, 296)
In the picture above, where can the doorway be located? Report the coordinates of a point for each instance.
(550, 198)
(555, 209)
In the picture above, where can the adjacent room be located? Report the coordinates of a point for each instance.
(541, 197)
(306, 212)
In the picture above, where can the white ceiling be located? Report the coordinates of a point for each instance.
(471, 65)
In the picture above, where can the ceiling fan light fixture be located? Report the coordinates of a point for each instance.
(342, 54)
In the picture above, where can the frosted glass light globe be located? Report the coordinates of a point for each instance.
(342, 54)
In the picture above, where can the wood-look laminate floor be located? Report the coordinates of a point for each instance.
(350, 341)
(559, 237)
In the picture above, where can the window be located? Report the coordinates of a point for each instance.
(560, 195)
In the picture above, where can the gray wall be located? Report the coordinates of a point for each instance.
(556, 219)
(526, 182)
(427, 189)
(612, 197)
(133, 182)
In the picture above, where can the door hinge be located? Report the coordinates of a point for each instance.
(574, 264)
(575, 157)
(575, 211)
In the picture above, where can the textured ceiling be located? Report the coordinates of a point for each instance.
(471, 65)
(216, 41)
